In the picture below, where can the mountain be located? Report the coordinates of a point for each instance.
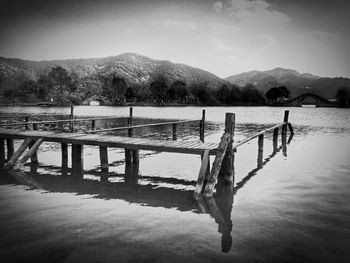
(296, 82)
(135, 68)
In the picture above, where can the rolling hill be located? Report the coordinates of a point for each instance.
(296, 82)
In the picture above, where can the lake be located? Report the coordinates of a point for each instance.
(296, 208)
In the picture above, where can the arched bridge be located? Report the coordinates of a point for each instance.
(308, 99)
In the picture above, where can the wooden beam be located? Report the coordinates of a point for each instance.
(202, 126)
(32, 150)
(104, 163)
(202, 173)
(226, 171)
(78, 160)
(12, 161)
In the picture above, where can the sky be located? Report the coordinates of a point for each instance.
(224, 37)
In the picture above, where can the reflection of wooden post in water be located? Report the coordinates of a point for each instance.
(104, 163)
(226, 170)
(78, 160)
(284, 145)
(64, 158)
(260, 150)
(26, 119)
(2, 153)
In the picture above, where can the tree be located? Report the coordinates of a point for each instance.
(130, 93)
(158, 89)
(277, 94)
(252, 96)
(178, 91)
(60, 78)
(343, 97)
(223, 94)
(119, 87)
(202, 93)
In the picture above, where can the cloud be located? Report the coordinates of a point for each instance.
(218, 6)
(252, 11)
(185, 26)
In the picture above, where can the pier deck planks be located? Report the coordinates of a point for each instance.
(189, 147)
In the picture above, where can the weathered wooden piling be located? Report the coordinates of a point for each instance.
(260, 150)
(275, 139)
(26, 119)
(10, 148)
(93, 124)
(285, 121)
(226, 171)
(34, 156)
(104, 163)
(71, 117)
(2, 153)
(64, 158)
(135, 168)
(32, 150)
(202, 126)
(221, 152)
(174, 131)
(130, 122)
(78, 160)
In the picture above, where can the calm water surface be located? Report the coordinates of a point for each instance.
(296, 208)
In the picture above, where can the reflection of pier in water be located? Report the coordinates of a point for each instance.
(219, 206)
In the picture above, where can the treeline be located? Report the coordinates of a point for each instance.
(63, 88)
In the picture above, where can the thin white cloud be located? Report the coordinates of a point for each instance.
(186, 26)
(251, 11)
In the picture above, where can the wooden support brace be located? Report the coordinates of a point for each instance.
(32, 150)
(202, 173)
(17, 154)
(209, 188)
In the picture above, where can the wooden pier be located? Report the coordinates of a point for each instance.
(222, 166)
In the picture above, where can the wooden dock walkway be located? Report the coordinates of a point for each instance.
(222, 165)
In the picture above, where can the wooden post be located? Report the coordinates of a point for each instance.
(78, 161)
(93, 125)
(71, 117)
(221, 152)
(285, 121)
(174, 132)
(34, 156)
(135, 168)
(275, 139)
(2, 153)
(10, 148)
(104, 163)
(260, 150)
(130, 131)
(128, 168)
(26, 118)
(226, 171)
(64, 158)
(202, 127)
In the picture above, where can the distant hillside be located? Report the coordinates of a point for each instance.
(136, 69)
(297, 83)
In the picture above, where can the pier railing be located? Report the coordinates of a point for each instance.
(130, 127)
